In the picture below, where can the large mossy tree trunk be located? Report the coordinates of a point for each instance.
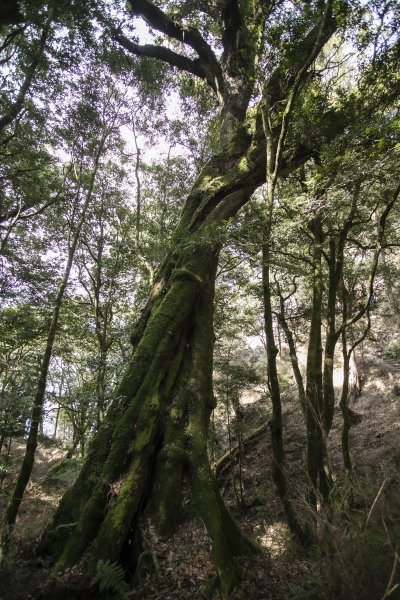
(155, 431)
(156, 428)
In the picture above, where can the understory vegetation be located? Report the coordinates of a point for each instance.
(199, 299)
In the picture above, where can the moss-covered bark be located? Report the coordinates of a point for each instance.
(227, 540)
(151, 361)
(158, 421)
(159, 428)
(172, 460)
(144, 433)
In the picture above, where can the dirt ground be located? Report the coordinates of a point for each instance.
(177, 569)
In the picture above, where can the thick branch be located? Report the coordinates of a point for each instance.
(375, 260)
(190, 36)
(302, 58)
(323, 34)
(196, 67)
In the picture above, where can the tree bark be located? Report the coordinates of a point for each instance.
(160, 413)
(162, 392)
(316, 446)
(278, 472)
(293, 355)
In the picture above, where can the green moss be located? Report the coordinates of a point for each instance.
(118, 520)
(186, 274)
(167, 495)
(174, 453)
(171, 460)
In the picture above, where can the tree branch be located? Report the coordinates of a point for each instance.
(375, 260)
(17, 106)
(190, 36)
(196, 67)
(232, 23)
(206, 66)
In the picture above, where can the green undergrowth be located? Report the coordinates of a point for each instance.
(361, 561)
(67, 470)
(356, 551)
(110, 580)
(393, 349)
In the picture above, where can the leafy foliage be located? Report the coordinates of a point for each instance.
(110, 578)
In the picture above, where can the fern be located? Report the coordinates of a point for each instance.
(110, 577)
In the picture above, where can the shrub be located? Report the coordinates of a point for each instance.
(393, 349)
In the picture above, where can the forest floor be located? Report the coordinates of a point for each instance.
(340, 566)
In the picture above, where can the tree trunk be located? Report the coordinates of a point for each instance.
(293, 355)
(317, 468)
(157, 424)
(344, 406)
(160, 412)
(331, 340)
(355, 386)
(278, 472)
(36, 418)
(18, 104)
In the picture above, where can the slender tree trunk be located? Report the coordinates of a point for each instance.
(314, 391)
(344, 403)
(293, 356)
(32, 441)
(347, 414)
(58, 409)
(29, 457)
(275, 131)
(18, 104)
(335, 266)
(331, 340)
(278, 473)
(355, 384)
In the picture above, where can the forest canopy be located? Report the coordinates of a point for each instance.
(199, 227)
